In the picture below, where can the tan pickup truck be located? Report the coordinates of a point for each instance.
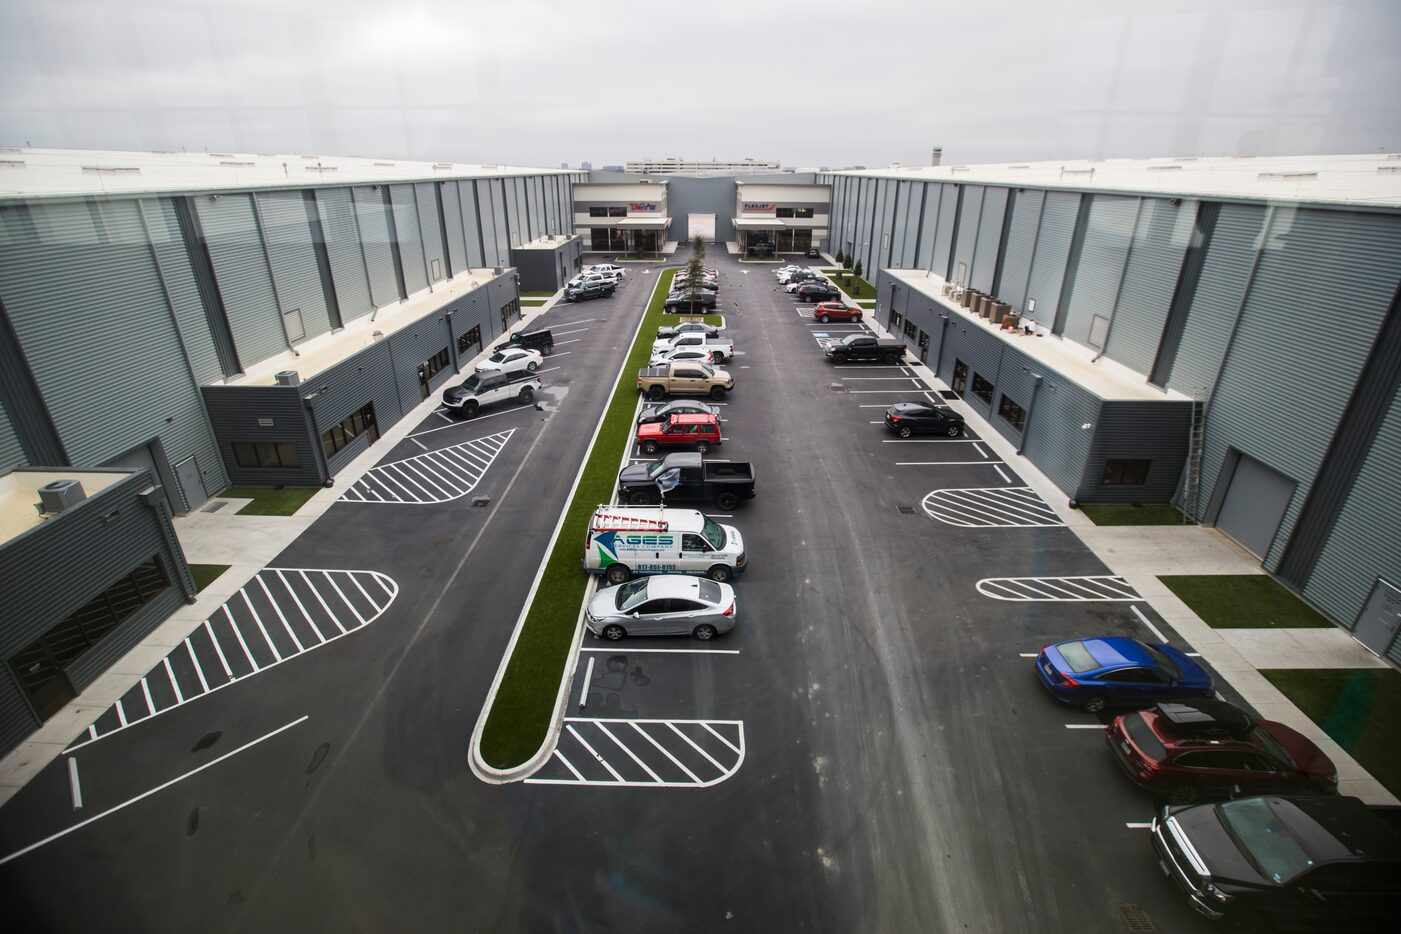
(684, 379)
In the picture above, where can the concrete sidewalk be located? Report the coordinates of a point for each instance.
(1139, 554)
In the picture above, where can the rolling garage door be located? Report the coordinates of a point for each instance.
(1254, 505)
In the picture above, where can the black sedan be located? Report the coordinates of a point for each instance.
(662, 413)
(817, 292)
(908, 418)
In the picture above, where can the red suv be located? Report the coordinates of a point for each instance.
(1208, 749)
(836, 311)
(701, 432)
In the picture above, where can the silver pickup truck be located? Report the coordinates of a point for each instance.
(482, 389)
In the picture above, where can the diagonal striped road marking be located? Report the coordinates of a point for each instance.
(1091, 589)
(437, 476)
(991, 507)
(279, 614)
(644, 753)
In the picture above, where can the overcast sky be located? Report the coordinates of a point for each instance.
(808, 83)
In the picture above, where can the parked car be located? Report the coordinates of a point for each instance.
(684, 379)
(681, 355)
(700, 432)
(683, 478)
(483, 389)
(588, 290)
(585, 278)
(609, 269)
(818, 292)
(836, 311)
(791, 267)
(910, 418)
(665, 605)
(511, 360)
(798, 277)
(814, 252)
(721, 348)
(542, 341)
(708, 271)
(661, 413)
(1332, 864)
(857, 347)
(680, 301)
(704, 285)
(1117, 671)
(1202, 748)
(661, 540)
(687, 327)
(761, 249)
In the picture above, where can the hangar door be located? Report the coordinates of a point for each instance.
(1254, 505)
(703, 224)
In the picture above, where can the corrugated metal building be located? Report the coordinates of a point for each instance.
(148, 302)
(1257, 295)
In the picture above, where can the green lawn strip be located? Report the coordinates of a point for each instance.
(523, 708)
(1243, 601)
(854, 286)
(639, 259)
(270, 501)
(534, 302)
(1128, 514)
(1359, 708)
(206, 574)
(536, 294)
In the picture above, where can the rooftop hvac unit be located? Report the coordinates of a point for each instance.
(59, 495)
(288, 378)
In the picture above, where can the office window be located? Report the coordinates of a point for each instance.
(338, 436)
(782, 212)
(435, 364)
(620, 211)
(910, 329)
(1011, 413)
(983, 389)
(511, 309)
(598, 212)
(470, 344)
(1126, 472)
(266, 454)
(895, 321)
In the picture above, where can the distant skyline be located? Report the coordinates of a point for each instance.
(808, 84)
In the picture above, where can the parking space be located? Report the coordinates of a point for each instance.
(438, 475)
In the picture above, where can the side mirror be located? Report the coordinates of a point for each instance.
(634, 614)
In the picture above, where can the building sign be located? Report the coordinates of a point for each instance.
(758, 207)
(642, 207)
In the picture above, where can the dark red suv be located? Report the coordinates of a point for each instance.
(1209, 749)
(836, 311)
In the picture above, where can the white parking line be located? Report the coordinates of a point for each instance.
(436, 476)
(949, 464)
(1005, 478)
(1086, 726)
(572, 340)
(1149, 623)
(991, 507)
(1081, 589)
(979, 448)
(668, 744)
(572, 331)
(459, 423)
(630, 651)
(1138, 825)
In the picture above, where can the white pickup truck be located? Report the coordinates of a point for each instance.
(721, 348)
(487, 388)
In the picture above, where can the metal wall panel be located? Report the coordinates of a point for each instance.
(515, 223)
(431, 225)
(173, 260)
(981, 350)
(471, 229)
(1220, 291)
(882, 238)
(1133, 429)
(271, 414)
(900, 223)
(989, 240)
(943, 237)
(1021, 247)
(924, 259)
(1101, 268)
(406, 232)
(411, 347)
(492, 213)
(1054, 441)
(967, 237)
(293, 256)
(1052, 251)
(377, 239)
(909, 235)
(536, 192)
(1163, 233)
(11, 451)
(1363, 544)
(241, 268)
(337, 211)
(452, 220)
(1307, 254)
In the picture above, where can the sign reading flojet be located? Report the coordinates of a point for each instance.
(759, 207)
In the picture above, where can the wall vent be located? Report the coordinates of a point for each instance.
(1286, 175)
(112, 169)
(958, 168)
(220, 155)
(161, 152)
(20, 149)
(442, 165)
(1164, 168)
(238, 165)
(12, 163)
(1066, 170)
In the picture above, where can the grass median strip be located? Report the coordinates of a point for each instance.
(523, 708)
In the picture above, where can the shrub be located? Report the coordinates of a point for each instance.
(856, 270)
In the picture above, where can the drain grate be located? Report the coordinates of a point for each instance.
(214, 506)
(481, 500)
(948, 393)
(838, 387)
(906, 510)
(1135, 917)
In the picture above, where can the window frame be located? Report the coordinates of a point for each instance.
(1117, 471)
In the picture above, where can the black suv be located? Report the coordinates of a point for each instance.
(680, 301)
(908, 418)
(588, 290)
(542, 341)
(761, 249)
(817, 292)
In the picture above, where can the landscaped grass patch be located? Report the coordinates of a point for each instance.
(1128, 514)
(639, 259)
(271, 500)
(1359, 708)
(523, 708)
(1243, 601)
(536, 294)
(533, 302)
(854, 286)
(206, 574)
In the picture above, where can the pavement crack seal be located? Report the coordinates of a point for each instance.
(524, 710)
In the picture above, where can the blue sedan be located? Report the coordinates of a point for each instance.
(1115, 670)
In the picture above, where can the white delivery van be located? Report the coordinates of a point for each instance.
(627, 540)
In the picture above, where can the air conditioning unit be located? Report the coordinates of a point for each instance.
(288, 378)
(59, 495)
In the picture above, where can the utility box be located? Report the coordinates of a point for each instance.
(59, 495)
(289, 378)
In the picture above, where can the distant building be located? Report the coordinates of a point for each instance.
(673, 166)
(586, 166)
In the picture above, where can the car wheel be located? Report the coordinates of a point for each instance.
(717, 393)
(726, 501)
(656, 393)
(719, 359)
(527, 395)
(617, 574)
(954, 431)
(855, 317)
(642, 499)
(469, 409)
(906, 431)
(613, 632)
(547, 349)
(892, 358)
(1184, 794)
(825, 318)
(649, 447)
(1093, 705)
(532, 366)
(720, 574)
(704, 632)
(839, 358)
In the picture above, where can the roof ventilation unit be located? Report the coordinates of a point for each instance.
(288, 378)
(58, 495)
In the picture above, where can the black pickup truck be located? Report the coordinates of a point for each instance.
(864, 347)
(542, 341)
(683, 478)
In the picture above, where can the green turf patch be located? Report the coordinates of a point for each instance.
(523, 709)
(533, 302)
(1128, 514)
(206, 574)
(271, 500)
(537, 294)
(1359, 708)
(854, 286)
(639, 259)
(1243, 601)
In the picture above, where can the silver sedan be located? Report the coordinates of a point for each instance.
(664, 605)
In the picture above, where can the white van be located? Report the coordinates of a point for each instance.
(627, 540)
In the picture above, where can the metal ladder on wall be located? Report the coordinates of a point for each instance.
(1192, 478)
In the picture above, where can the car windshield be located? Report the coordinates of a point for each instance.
(1165, 662)
(655, 468)
(497, 357)
(709, 590)
(707, 370)
(1275, 852)
(850, 339)
(714, 534)
(1273, 747)
(1077, 656)
(631, 594)
(1143, 737)
(471, 383)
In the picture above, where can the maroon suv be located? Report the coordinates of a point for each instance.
(1208, 749)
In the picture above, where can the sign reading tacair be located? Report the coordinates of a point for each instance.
(646, 207)
(627, 540)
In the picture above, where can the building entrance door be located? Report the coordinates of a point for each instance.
(960, 376)
(923, 347)
(191, 483)
(1254, 505)
(1381, 618)
(148, 456)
